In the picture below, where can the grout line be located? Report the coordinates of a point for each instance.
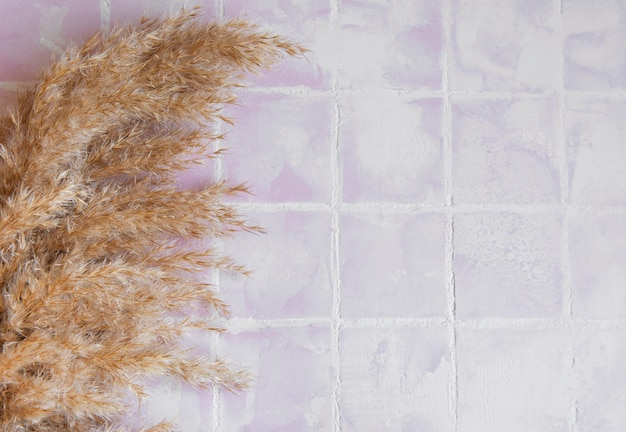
(286, 206)
(450, 209)
(513, 323)
(542, 323)
(300, 91)
(396, 207)
(218, 244)
(336, 198)
(395, 92)
(489, 323)
(246, 324)
(236, 325)
(399, 322)
(565, 213)
(219, 9)
(105, 15)
(216, 281)
(304, 91)
(391, 208)
(564, 199)
(336, 266)
(513, 208)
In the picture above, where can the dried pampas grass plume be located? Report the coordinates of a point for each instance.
(96, 263)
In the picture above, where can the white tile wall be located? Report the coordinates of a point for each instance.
(443, 187)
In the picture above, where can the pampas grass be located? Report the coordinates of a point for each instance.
(98, 244)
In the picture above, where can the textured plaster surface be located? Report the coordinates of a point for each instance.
(442, 182)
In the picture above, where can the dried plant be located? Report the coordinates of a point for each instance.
(98, 243)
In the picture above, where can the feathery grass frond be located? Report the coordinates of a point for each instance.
(96, 255)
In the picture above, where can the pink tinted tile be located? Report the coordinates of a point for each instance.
(508, 45)
(21, 53)
(280, 144)
(505, 151)
(394, 379)
(31, 32)
(595, 133)
(125, 12)
(393, 265)
(198, 176)
(390, 44)
(599, 366)
(291, 267)
(598, 263)
(293, 383)
(8, 98)
(390, 149)
(507, 265)
(594, 38)
(514, 380)
(307, 23)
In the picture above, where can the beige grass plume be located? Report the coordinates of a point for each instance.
(96, 262)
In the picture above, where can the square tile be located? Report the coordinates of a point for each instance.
(594, 33)
(505, 45)
(595, 133)
(390, 44)
(600, 374)
(291, 267)
(280, 145)
(32, 32)
(598, 265)
(390, 149)
(505, 151)
(393, 265)
(293, 384)
(395, 379)
(507, 265)
(307, 23)
(514, 380)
